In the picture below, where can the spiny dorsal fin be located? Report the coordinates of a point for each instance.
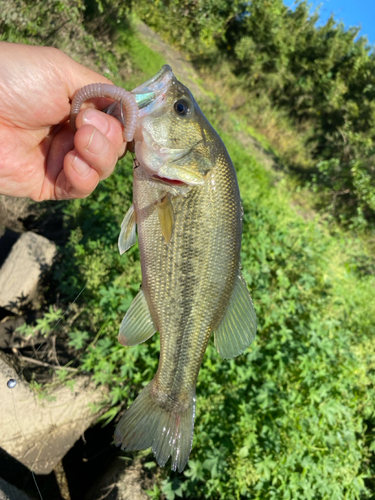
(127, 236)
(166, 217)
(238, 327)
(137, 325)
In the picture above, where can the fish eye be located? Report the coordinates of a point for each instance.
(181, 107)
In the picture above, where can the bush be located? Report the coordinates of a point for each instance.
(321, 76)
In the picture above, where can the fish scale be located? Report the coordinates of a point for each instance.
(196, 269)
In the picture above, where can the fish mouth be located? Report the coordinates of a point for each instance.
(166, 180)
(151, 100)
(151, 93)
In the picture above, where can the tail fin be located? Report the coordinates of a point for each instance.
(146, 424)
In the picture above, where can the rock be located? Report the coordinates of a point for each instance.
(39, 432)
(29, 258)
(9, 492)
(119, 482)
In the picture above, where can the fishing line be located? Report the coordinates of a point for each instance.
(12, 382)
(24, 437)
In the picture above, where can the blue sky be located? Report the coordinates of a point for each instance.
(350, 12)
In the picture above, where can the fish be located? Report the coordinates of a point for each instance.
(188, 214)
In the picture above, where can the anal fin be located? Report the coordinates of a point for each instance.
(238, 327)
(137, 325)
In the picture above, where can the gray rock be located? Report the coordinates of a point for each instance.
(30, 257)
(9, 492)
(39, 432)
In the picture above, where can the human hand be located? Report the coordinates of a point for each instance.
(40, 156)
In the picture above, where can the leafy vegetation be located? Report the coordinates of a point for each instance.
(67, 25)
(322, 78)
(294, 416)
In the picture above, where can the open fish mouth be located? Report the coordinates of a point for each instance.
(152, 93)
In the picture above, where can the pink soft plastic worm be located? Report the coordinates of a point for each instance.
(125, 98)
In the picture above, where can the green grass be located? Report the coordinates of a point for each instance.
(145, 61)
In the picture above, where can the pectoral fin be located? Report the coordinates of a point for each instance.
(137, 325)
(127, 236)
(238, 327)
(166, 217)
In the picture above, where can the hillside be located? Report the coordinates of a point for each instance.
(294, 416)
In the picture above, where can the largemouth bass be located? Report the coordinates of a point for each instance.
(188, 212)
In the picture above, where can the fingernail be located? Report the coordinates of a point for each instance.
(96, 144)
(96, 118)
(80, 167)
